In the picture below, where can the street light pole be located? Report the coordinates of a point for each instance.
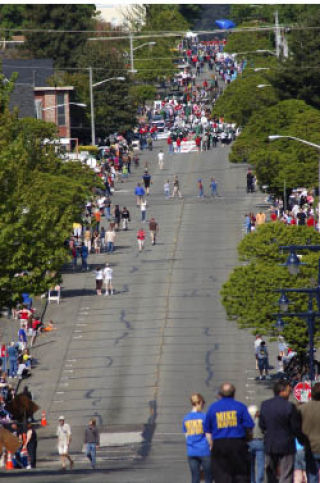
(293, 264)
(131, 53)
(132, 49)
(91, 86)
(93, 132)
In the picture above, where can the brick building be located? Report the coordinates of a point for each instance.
(34, 97)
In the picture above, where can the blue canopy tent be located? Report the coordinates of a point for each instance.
(224, 23)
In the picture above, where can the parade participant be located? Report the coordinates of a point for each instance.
(154, 228)
(147, 181)
(200, 188)
(64, 440)
(107, 279)
(250, 181)
(31, 446)
(166, 189)
(125, 216)
(139, 192)
(198, 449)
(92, 441)
(141, 236)
(176, 188)
(228, 425)
(160, 159)
(99, 279)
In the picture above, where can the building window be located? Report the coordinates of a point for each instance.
(38, 106)
(61, 110)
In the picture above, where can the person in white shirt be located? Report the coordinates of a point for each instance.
(161, 158)
(257, 343)
(143, 208)
(107, 278)
(64, 440)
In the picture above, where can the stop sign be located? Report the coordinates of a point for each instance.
(302, 391)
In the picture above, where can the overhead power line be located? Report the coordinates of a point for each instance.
(154, 33)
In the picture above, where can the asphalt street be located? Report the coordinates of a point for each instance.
(133, 359)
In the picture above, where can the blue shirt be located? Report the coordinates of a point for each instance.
(192, 426)
(227, 418)
(139, 191)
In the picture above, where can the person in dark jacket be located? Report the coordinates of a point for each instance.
(92, 441)
(281, 424)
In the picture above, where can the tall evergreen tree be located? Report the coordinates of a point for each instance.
(64, 48)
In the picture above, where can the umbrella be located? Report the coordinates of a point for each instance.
(9, 440)
(224, 23)
(21, 407)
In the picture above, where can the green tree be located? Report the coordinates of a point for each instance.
(242, 98)
(64, 48)
(12, 16)
(288, 13)
(249, 295)
(283, 160)
(191, 12)
(41, 196)
(157, 62)
(250, 42)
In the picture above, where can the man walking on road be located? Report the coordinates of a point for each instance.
(154, 228)
(161, 158)
(281, 424)
(64, 440)
(176, 188)
(147, 181)
(92, 441)
(228, 425)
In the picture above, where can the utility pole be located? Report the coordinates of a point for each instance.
(277, 33)
(131, 53)
(93, 132)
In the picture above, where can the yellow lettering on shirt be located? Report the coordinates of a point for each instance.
(227, 419)
(194, 426)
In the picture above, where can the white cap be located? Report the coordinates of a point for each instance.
(61, 418)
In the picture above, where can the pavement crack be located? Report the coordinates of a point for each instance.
(109, 361)
(209, 365)
(123, 336)
(126, 322)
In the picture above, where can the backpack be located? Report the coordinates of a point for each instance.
(262, 352)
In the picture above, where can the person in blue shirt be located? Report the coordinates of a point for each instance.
(84, 257)
(228, 425)
(139, 192)
(198, 449)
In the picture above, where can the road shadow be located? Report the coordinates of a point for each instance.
(78, 292)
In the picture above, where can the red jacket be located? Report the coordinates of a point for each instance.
(141, 235)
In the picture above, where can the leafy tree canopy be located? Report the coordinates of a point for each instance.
(282, 160)
(157, 61)
(248, 296)
(64, 48)
(243, 98)
(41, 196)
(288, 13)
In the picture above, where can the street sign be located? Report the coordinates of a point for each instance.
(302, 392)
